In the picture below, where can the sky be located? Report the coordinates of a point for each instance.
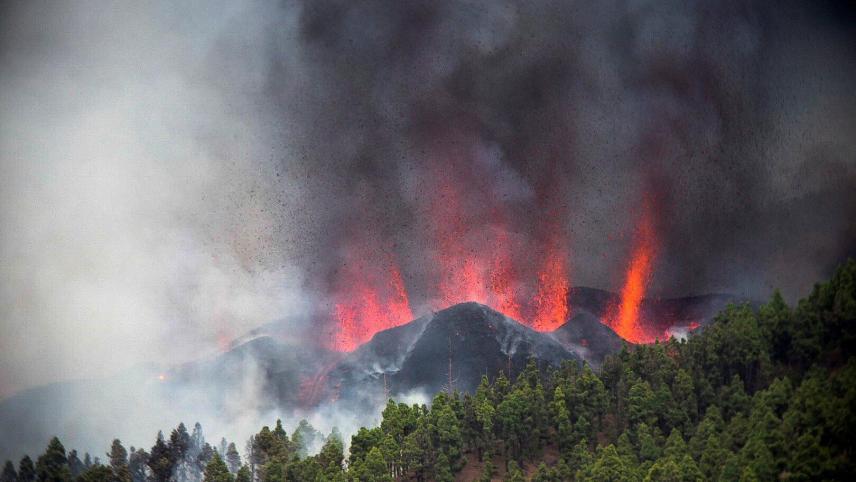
(172, 176)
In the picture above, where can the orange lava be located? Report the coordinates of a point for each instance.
(551, 301)
(370, 309)
(626, 318)
(470, 251)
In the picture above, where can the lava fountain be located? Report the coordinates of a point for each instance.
(625, 319)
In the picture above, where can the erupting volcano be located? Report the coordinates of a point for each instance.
(468, 251)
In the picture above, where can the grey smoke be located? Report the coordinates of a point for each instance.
(172, 176)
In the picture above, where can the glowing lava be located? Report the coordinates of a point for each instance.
(551, 301)
(368, 291)
(370, 308)
(625, 319)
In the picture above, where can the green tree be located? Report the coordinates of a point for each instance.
(675, 446)
(610, 467)
(52, 466)
(514, 474)
(96, 473)
(332, 454)
(730, 469)
(233, 458)
(646, 446)
(375, 467)
(9, 474)
(443, 469)
(161, 460)
(75, 465)
(544, 474)
(216, 470)
(362, 442)
(304, 438)
(448, 436)
(712, 458)
(26, 470)
(775, 319)
(580, 457)
(137, 464)
(488, 470)
(689, 470)
(118, 459)
(749, 475)
(641, 405)
(243, 474)
(664, 470)
(756, 454)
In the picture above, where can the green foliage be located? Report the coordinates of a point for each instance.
(96, 473)
(243, 474)
(216, 470)
(9, 473)
(767, 394)
(52, 466)
(118, 459)
(161, 460)
(514, 474)
(26, 470)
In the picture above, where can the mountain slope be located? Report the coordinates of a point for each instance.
(473, 338)
(587, 336)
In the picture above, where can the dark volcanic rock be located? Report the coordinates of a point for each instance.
(478, 340)
(587, 336)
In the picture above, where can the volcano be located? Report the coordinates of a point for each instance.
(449, 349)
(275, 372)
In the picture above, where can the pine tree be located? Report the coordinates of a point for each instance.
(449, 437)
(442, 469)
(332, 455)
(689, 470)
(216, 470)
(514, 473)
(675, 446)
(161, 460)
(712, 458)
(417, 450)
(9, 474)
(243, 474)
(730, 469)
(232, 458)
(580, 457)
(664, 470)
(610, 467)
(488, 469)
(52, 466)
(562, 421)
(118, 459)
(646, 446)
(26, 470)
(544, 474)
(137, 465)
(375, 467)
(75, 465)
(96, 473)
(304, 438)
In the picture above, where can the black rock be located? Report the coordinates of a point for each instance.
(469, 339)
